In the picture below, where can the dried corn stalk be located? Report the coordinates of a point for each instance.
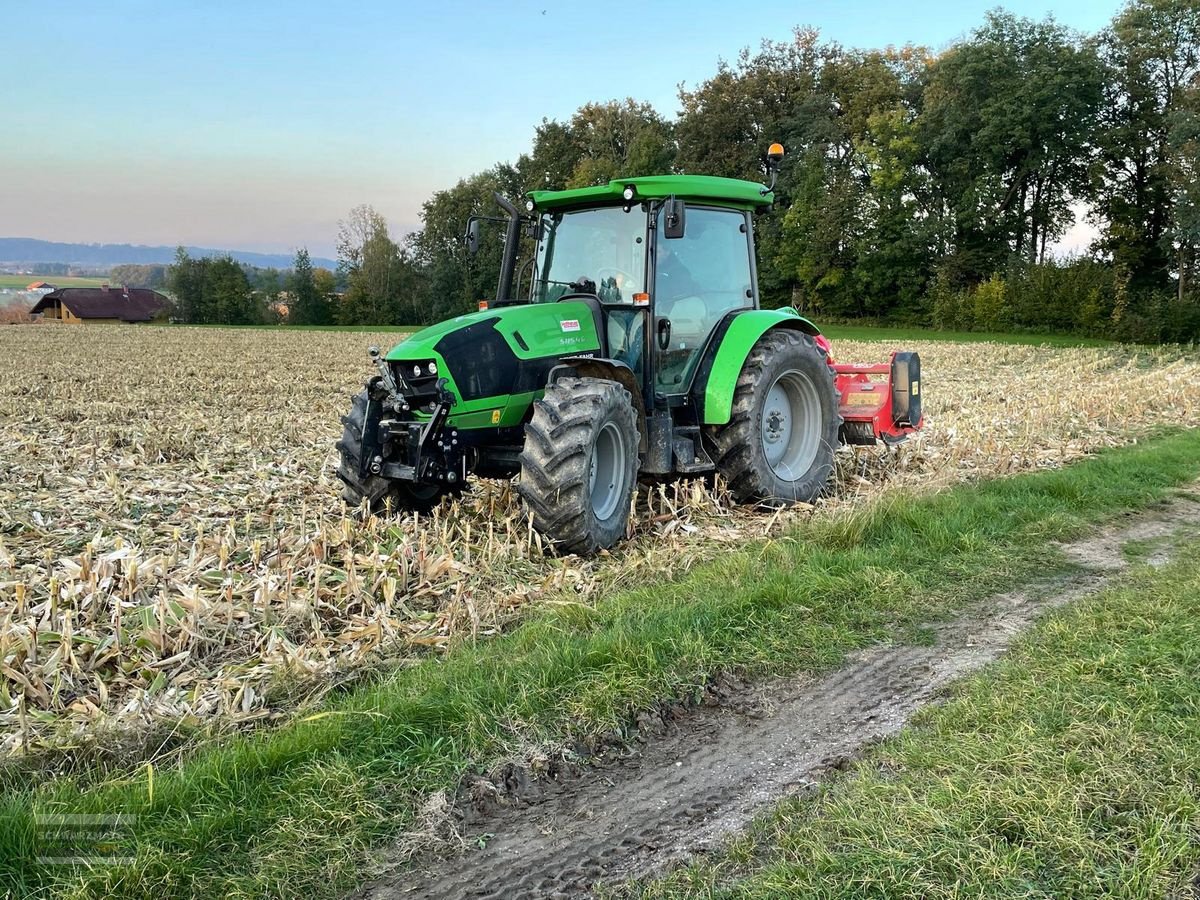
(172, 546)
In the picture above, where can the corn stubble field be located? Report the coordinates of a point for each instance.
(173, 550)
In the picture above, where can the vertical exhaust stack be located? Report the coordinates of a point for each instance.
(512, 237)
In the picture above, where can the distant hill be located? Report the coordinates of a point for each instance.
(29, 251)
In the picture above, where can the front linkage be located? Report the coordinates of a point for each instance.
(398, 446)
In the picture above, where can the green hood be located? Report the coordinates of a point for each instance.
(532, 331)
(496, 361)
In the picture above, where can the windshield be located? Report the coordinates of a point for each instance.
(600, 251)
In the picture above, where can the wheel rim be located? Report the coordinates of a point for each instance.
(606, 475)
(791, 420)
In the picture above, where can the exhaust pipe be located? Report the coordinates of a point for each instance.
(511, 238)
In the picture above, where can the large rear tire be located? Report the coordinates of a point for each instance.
(778, 444)
(382, 494)
(579, 465)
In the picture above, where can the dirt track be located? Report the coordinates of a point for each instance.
(702, 776)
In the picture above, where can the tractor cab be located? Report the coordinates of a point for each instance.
(661, 260)
(671, 283)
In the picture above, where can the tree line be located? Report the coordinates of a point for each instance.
(919, 187)
(218, 290)
(377, 283)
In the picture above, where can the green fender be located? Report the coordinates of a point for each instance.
(733, 348)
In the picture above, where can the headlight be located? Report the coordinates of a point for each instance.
(432, 368)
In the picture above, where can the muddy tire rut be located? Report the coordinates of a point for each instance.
(699, 775)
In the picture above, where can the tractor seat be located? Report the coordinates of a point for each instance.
(688, 316)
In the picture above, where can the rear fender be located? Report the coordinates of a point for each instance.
(727, 352)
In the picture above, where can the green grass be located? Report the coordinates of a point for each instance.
(22, 281)
(1068, 770)
(837, 332)
(292, 811)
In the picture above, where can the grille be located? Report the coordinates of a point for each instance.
(480, 358)
(416, 384)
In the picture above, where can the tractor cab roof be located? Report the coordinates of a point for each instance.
(725, 191)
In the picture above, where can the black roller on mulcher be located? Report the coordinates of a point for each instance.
(380, 493)
(579, 465)
(778, 444)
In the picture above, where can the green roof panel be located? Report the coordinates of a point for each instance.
(731, 191)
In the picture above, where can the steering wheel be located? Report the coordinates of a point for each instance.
(620, 275)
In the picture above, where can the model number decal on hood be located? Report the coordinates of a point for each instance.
(569, 324)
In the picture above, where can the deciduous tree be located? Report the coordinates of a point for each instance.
(1152, 53)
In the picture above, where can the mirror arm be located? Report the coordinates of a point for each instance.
(774, 161)
(773, 169)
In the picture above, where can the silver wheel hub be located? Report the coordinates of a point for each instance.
(776, 425)
(791, 425)
(607, 471)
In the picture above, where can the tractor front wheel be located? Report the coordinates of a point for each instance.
(779, 442)
(579, 464)
(380, 493)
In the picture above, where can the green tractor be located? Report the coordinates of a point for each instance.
(637, 350)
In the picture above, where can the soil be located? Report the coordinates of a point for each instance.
(697, 776)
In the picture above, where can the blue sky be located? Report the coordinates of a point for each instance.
(257, 125)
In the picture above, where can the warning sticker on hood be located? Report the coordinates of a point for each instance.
(569, 324)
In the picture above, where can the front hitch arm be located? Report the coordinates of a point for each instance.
(385, 373)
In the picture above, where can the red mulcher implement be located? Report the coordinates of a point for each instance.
(879, 401)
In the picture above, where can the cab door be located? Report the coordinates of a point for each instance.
(698, 278)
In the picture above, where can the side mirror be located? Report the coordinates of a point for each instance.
(674, 214)
(472, 236)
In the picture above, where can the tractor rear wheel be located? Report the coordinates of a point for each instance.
(579, 464)
(778, 444)
(379, 492)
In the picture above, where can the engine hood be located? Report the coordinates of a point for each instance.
(495, 362)
(531, 331)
